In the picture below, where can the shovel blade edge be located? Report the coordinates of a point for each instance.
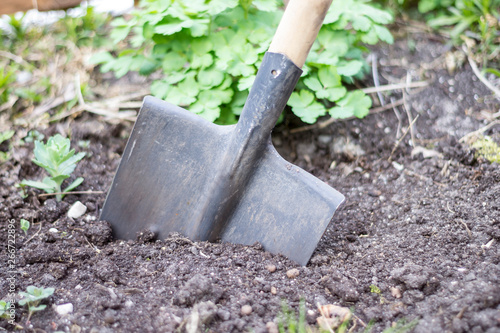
(284, 208)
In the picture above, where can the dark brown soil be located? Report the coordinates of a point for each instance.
(423, 226)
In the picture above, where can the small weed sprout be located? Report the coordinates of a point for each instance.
(32, 298)
(287, 318)
(4, 136)
(376, 290)
(59, 161)
(5, 309)
(34, 135)
(25, 225)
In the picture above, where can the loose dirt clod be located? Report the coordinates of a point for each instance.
(395, 292)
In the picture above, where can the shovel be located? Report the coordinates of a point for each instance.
(181, 173)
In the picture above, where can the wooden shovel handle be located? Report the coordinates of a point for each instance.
(298, 29)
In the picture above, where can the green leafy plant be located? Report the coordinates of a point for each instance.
(477, 22)
(84, 30)
(32, 298)
(25, 225)
(59, 161)
(209, 53)
(17, 26)
(34, 135)
(4, 309)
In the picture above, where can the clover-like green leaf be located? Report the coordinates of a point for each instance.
(355, 103)
(361, 23)
(210, 78)
(266, 5)
(384, 34)
(101, 58)
(173, 61)
(173, 26)
(218, 6)
(202, 61)
(349, 68)
(305, 107)
(370, 37)
(201, 46)
(185, 92)
(245, 83)
(327, 84)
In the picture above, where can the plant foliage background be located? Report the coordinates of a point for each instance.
(209, 53)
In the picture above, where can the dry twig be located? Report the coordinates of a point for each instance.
(466, 138)
(410, 118)
(480, 76)
(70, 192)
(396, 86)
(398, 115)
(376, 79)
(466, 228)
(34, 234)
(401, 139)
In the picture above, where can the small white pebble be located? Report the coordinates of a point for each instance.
(271, 268)
(53, 230)
(129, 304)
(64, 309)
(274, 291)
(246, 310)
(77, 210)
(398, 166)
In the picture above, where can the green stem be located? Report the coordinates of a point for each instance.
(59, 196)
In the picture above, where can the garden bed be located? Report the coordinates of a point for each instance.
(417, 240)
